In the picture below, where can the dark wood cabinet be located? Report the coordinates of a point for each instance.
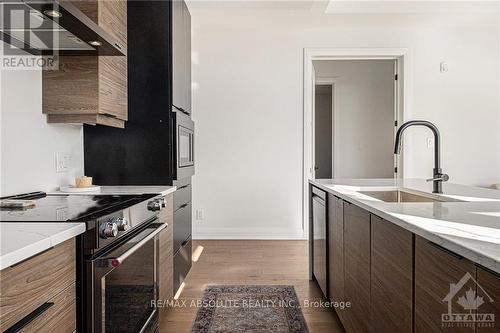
(335, 249)
(391, 298)
(181, 56)
(439, 275)
(489, 289)
(357, 268)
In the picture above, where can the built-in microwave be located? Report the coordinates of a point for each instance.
(184, 137)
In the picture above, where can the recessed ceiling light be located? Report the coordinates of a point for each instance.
(95, 43)
(52, 13)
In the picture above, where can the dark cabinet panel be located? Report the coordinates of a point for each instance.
(391, 277)
(336, 249)
(181, 55)
(489, 289)
(437, 272)
(357, 268)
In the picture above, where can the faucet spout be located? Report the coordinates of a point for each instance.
(438, 176)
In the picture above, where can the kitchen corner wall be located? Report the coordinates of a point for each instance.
(28, 144)
(248, 104)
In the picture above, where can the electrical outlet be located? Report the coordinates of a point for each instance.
(199, 214)
(62, 161)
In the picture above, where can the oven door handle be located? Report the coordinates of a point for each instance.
(117, 261)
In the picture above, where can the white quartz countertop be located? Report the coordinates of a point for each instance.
(22, 240)
(117, 190)
(470, 228)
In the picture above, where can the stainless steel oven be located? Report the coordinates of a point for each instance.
(184, 137)
(124, 282)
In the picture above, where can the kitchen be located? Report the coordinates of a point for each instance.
(229, 166)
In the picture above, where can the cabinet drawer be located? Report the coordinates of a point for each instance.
(182, 195)
(182, 225)
(31, 283)
(182, 263)
(59, 317)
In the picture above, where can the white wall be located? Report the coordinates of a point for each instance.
(248, 70)
(365, 115)
(28, 143)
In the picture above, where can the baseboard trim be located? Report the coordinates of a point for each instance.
(249, 233)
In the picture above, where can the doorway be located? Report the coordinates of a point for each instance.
(354, 123)
(324, 103)
(402, 65)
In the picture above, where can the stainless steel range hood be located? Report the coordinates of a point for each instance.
(43, 27)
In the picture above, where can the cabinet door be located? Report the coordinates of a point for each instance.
(186, 53)
(336, 249)
(440, 278)
(489, 289)
(391, 277)
(177, 53)
(357, 268)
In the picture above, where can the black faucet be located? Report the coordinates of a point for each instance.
(438, 177)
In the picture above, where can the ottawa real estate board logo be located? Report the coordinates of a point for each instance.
(471, 310)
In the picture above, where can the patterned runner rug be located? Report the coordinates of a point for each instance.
(245, 309)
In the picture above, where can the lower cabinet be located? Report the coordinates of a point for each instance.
(336, 249)
(440, 277)
(489, 289)
(357, 268)
(38, 294)
(396, 281)
(391, 299)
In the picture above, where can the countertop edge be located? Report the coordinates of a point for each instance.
(109, 190)
(473, 255)
(41, 245)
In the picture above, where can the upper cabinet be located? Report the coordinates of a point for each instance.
(181, 56)
(88, 89)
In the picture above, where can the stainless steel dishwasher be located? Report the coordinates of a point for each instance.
(319, 238)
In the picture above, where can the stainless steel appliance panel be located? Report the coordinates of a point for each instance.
(184, 137)
(319, 240)
(124, 282)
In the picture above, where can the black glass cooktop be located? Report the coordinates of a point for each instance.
(81, 208)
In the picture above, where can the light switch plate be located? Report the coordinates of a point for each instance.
(63, 160)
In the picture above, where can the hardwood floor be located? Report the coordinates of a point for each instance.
(238, 262)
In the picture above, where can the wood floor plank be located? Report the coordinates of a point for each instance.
(254, 262)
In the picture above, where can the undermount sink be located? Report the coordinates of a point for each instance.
(403, 196)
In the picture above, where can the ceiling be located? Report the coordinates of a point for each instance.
(350, 6)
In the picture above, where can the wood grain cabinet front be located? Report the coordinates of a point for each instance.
(356, 268)
(488, 288)
(391, 307)
(336, 249)
(441, 276)
(89, 89)
(27, 286)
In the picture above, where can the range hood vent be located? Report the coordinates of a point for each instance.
(43, 27)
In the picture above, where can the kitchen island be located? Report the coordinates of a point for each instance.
(393, 248)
